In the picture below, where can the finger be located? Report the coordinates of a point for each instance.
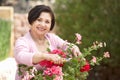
(74, 52)
(63, 60)
(78, 53)
(66, 59)
(60, 61)
(57, 60)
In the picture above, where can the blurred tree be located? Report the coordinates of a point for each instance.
(94, 20)
(5, 30)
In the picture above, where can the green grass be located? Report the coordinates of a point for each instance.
(5, 29)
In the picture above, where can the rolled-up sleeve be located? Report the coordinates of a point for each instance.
(58, 42)
(22, 52)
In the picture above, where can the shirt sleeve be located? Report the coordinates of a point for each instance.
(22, 53)
(58, 42)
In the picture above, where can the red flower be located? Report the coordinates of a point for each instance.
(86, 67)
(46, 63)
(59, 52)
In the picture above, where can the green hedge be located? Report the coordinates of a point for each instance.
(5, 29)
(94, 20)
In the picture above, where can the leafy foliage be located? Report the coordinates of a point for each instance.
(93, 19)
(74, 69)
(5, 29)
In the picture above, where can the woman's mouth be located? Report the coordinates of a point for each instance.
(41, 29)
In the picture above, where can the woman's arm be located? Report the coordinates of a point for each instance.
(64, 44)
(24, 56)
(76, 51)
(45, 56)
(22, 53)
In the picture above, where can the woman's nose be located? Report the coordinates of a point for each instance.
(43, 23)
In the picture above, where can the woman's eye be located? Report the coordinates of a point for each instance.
(47, 21)
(39, 20)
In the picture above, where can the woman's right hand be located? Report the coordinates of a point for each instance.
(50, 57)
(55, 58)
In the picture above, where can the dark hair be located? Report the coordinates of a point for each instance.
(37, 10)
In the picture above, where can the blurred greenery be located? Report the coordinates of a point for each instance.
(5, 30)
(95, 20)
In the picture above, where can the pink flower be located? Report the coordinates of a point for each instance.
(106, 54)
(27, 76)
(47, 72)
(94, 59)
(57, 70)
(79, 37)
(54, 70)
(58, 77)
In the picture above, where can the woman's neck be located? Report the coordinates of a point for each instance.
(38, 39)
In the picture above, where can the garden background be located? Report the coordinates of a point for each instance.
(95, 20)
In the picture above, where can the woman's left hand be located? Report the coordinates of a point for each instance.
(76, 51)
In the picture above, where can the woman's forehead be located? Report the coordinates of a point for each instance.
(45, 15)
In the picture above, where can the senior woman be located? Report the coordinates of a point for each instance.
(31, 48)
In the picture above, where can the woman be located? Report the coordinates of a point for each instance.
(31, 48)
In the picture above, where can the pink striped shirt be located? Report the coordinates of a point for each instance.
(25, 48)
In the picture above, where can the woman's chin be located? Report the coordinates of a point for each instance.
(42, 33)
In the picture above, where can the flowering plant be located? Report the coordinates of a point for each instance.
(73, 68)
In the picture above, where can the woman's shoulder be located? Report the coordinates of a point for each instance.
(23, 39)
(52, 35)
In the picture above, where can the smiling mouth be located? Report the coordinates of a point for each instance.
(41, 29)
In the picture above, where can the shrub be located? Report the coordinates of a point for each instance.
(5, 29)
(94, 20)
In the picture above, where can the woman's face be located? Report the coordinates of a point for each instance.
(42, 24)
